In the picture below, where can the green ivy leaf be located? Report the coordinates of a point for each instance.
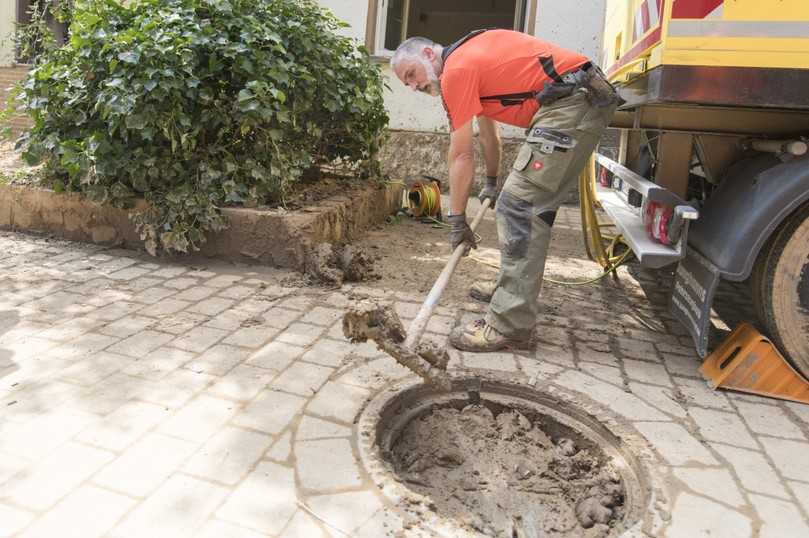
(130, 57)
(140, 184)
(278, 94)
(135, 121)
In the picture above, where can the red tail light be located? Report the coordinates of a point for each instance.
(604, 177)
(658, 221)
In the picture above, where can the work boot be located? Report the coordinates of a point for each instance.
(482, 291)
(479, 336)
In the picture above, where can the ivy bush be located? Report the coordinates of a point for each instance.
(194, 104)
(45, 30)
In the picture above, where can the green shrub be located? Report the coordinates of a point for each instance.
(194, 104)
(46, 29)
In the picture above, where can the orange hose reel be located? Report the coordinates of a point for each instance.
(424, 199)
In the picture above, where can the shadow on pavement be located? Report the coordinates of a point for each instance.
(732, 304)
(8, 320)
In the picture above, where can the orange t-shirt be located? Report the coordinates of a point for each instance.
(499, 62)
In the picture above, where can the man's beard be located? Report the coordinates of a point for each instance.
(434, 87)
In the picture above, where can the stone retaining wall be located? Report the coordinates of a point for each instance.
(273, 237)
(411, 154)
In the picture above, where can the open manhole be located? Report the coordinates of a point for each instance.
(504, 460)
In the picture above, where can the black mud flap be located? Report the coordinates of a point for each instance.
(695, 284)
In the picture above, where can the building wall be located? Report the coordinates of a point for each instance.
(8, 15)
(574, 24)
(354, 12)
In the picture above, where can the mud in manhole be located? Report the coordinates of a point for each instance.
(502, 460)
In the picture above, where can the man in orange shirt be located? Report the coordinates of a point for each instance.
(564, 103)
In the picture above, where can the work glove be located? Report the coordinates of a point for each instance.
(460, 232)
(489, 190)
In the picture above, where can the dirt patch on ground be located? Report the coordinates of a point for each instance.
(411, 254)
(329, 264)
(9, 158)
(509, 472)
(13, 170)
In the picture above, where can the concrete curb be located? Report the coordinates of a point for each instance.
(273, 237)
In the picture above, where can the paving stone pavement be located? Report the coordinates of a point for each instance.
(145, 398)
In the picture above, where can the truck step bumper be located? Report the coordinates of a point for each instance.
(629, 220)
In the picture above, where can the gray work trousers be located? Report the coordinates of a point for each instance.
(560, 141)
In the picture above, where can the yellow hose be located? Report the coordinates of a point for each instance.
(424, 199)
(600, 248)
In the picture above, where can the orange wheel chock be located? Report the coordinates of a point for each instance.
(748, 361)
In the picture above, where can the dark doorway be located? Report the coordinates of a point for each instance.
(445, 21)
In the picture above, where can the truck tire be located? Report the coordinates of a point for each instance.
(780, 287)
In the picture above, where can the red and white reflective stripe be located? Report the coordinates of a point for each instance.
(644, 16)
(697, 9)
(647, 16)
(644, 43)
(654, 12)
(717, 13)
(639, 30)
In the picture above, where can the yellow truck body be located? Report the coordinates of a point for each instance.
(643, 34)
(715, 127)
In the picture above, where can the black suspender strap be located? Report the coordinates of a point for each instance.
(451, 48)
(516, 99)
(550, 70)
(510, 99)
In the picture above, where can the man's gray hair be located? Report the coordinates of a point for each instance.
(411, 48)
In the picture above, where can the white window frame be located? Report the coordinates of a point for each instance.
(375, 39)
(382, 26)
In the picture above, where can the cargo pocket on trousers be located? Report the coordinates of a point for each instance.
(542, 169)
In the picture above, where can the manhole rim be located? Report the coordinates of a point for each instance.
(629, 445)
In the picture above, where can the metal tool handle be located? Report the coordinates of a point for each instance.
(418, 325)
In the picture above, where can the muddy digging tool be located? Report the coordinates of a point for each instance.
(368, 320)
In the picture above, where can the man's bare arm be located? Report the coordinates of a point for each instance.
(490, 142)
(461, 167)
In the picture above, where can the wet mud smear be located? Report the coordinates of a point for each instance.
(332, 265)
(509, 474)
(367, 320)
